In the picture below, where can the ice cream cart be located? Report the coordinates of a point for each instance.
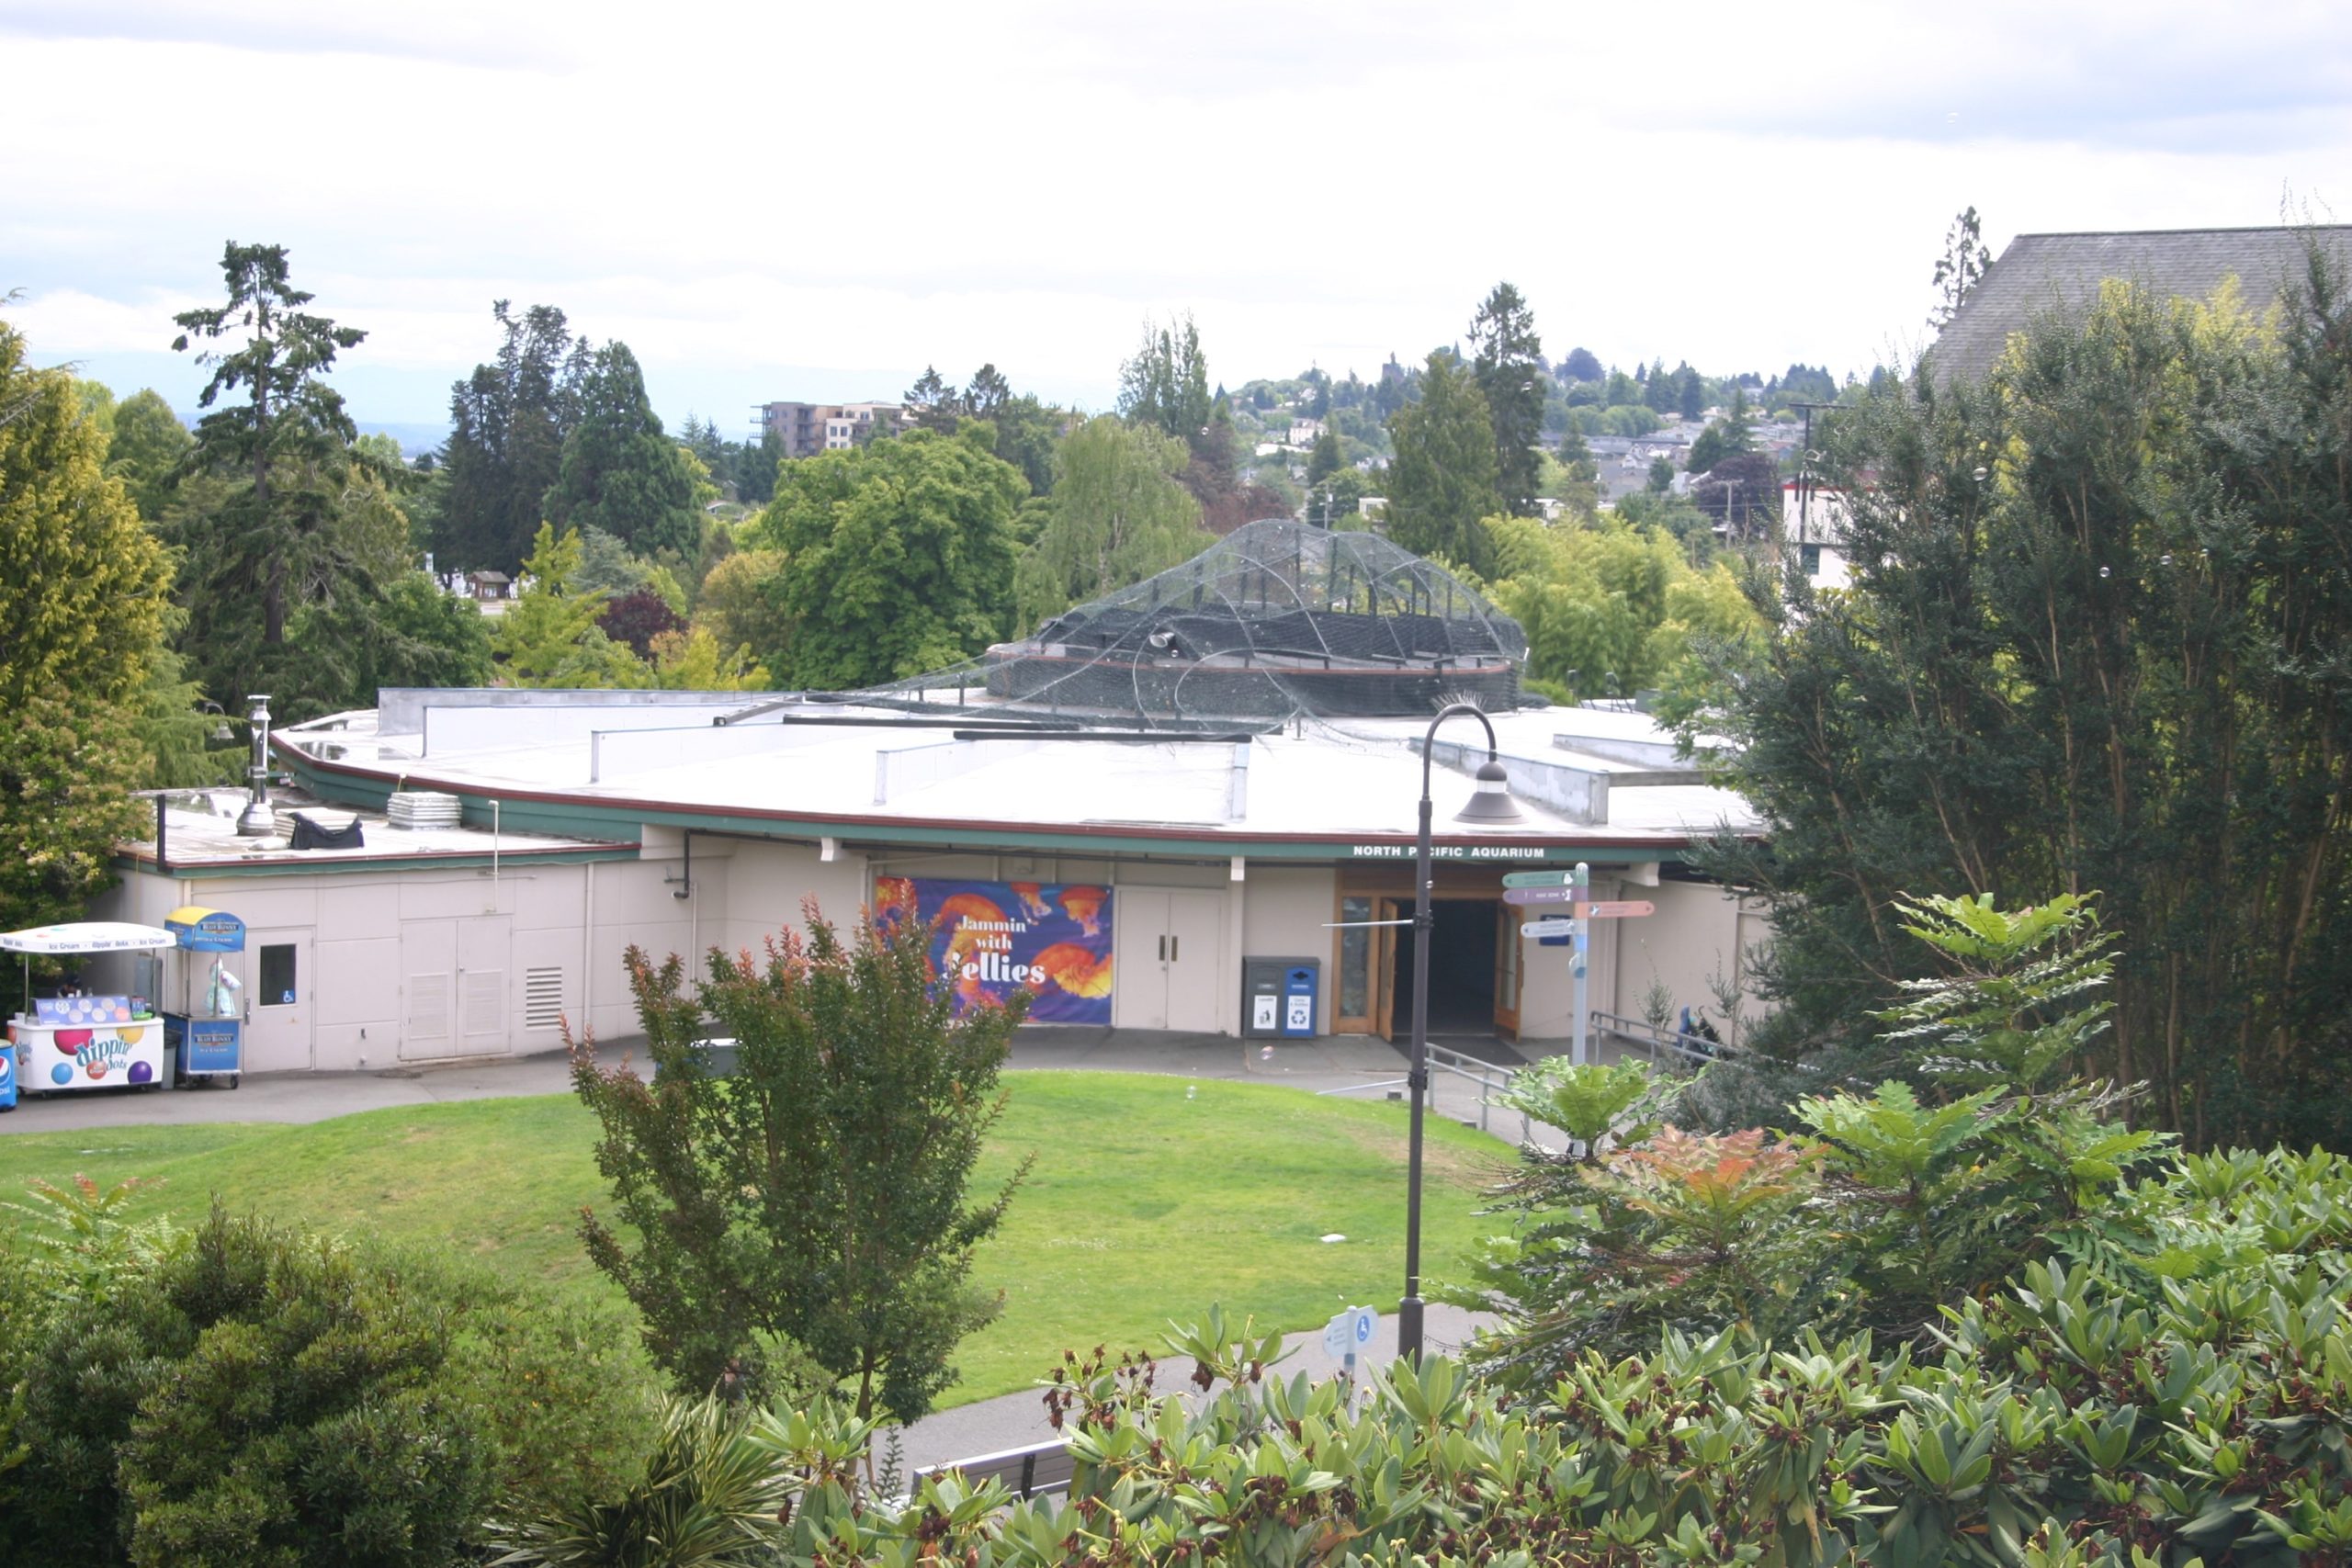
(76, 1042)
(209, 1025)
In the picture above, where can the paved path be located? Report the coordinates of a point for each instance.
(1017, 1420)
(1360, 1066)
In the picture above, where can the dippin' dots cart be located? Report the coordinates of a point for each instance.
(62, 1045)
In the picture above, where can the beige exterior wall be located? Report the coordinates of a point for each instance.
(354, 970)
(1284, 909)
(557, 934)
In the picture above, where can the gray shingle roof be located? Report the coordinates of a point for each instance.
(2042, 273)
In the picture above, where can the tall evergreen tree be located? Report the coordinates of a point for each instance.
(619, 472)
(987, 392)
(507, 425)
(288, 441)
(1442, 480)
(1506, 361)
(1966, 258)
(932, 402)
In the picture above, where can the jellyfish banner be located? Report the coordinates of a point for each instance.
(996, 938)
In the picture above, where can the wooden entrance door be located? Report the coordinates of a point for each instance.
(1508, 958)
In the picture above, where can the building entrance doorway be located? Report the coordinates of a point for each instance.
(1473, 968)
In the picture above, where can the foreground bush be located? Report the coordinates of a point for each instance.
(250, 1395)
(1875, 1211)
(2190, 1405)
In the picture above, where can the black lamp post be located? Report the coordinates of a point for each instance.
(1491, 806)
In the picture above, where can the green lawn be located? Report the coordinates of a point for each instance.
(1143, 1205)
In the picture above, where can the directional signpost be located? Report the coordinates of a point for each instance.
(1566, 905)
(1577, 898)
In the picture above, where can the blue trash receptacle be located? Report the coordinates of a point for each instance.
(1301, 983)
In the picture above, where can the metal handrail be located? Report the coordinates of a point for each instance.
(1461, 1066)
(1039, 1470)
(1690, 1047)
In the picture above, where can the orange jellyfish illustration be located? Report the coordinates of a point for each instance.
(1032, 900)
(1084, 905)
(1077, 970)
(894, 899)
(962, 907)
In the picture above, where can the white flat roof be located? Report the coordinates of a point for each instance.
(1353, 778)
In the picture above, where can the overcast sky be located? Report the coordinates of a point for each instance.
(814, 200)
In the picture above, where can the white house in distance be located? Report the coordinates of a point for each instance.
(1137, 868)
(1813, 521)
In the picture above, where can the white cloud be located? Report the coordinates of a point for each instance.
(737, 186)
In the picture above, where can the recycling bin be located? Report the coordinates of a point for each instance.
(1264, 985)
(1302, 984)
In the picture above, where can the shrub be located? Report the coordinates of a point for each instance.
(2134, 1408)
(1875, 1212)
(251, 1394)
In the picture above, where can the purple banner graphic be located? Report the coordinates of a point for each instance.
(994, 938)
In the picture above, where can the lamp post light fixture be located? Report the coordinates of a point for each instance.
(220, 730)
(258, 820)
(1490, 805)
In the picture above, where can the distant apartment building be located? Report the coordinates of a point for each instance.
(807, 429)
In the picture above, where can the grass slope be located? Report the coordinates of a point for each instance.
(1142, 1205)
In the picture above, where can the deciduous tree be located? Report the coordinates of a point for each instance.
(902, 557)
(1119, 515)
(818, 1195)
(1167, 382)
(739, 606)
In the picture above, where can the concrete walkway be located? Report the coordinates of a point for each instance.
(1017, 1420)
(1358, 1065)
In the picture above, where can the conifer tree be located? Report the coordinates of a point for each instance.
(1506, 361)
(619, 472)
(1442, 480)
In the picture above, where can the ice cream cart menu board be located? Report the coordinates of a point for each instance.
(994, 938)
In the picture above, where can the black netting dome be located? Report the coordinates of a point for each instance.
(1278, 618)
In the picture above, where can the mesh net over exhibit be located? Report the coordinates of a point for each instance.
(1277, 620)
